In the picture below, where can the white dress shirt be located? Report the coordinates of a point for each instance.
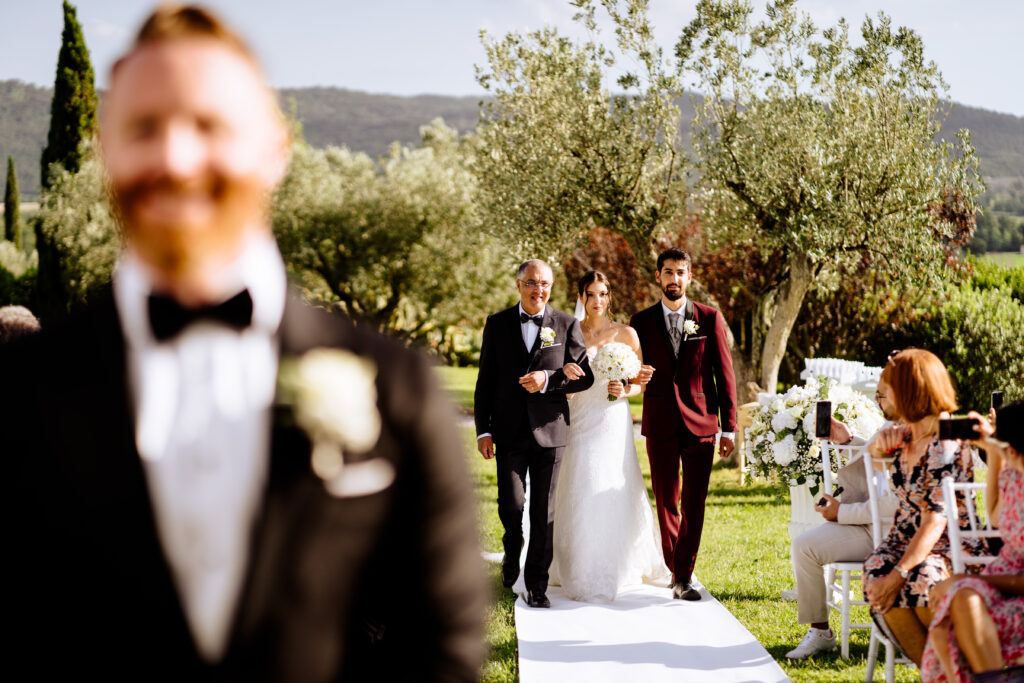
(203, 405)
(530, 329)
(666, 311)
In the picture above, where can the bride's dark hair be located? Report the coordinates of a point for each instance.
(590, 277)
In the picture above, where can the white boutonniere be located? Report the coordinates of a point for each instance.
(690, 327)
(547, 337)
(333, 397)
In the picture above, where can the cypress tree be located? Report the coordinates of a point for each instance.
(72, 120)
(73, 109)
(12, 210)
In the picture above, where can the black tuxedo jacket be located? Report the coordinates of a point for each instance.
(386, 586)
(693, 389)
(501, 406)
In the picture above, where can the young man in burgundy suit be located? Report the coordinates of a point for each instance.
(691, 384)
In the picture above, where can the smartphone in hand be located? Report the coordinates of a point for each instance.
(824, 501)
(963, 428)
(997, 400)
(823, 420)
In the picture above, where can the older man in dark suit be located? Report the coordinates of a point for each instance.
(179, 508)
(531, 357)
(691, 387)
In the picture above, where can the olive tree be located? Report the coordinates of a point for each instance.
(394, 242)
(821, 154)
(567, 146)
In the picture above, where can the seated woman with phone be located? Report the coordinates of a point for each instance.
(915, 555)
(979, 620)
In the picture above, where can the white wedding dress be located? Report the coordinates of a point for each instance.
(605, 535)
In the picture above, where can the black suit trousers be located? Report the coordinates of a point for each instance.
(543, 465)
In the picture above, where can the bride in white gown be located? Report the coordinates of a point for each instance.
(605, 535)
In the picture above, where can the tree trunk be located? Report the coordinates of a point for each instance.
(781, 314)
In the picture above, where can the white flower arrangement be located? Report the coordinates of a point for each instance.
(333, 396)
(616, 361)
(547, 337)
(780, 439)
(690, 327)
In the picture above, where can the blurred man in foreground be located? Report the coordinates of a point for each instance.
(213, 480)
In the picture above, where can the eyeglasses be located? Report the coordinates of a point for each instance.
(533, 284)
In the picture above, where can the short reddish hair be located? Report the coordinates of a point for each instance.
(171, 21)
(920, 384)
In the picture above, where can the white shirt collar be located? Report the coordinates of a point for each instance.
(258, 268)
(540, 312)
(665, 310)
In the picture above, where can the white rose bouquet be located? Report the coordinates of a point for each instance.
(616, 361)
(780, 439)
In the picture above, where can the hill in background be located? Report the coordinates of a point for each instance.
(370, 123)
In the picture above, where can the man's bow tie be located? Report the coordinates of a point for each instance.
(168, 318)
(538, 319)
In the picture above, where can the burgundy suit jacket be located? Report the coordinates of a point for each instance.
(693, 389)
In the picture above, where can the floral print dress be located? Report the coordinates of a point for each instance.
(1007, 611)
(920, 490)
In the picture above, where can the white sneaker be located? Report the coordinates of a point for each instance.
(788, 595)
(815, 641)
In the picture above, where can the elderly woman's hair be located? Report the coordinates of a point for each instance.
(16, 322)
(1010, 425)
(920, 384)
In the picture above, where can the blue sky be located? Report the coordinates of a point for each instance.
(408, 47)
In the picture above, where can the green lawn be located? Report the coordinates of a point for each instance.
(744, 562)
(459, 383)
(1008, 259)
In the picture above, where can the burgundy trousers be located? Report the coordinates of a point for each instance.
(680, 504)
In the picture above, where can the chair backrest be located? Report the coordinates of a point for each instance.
(970, 493)
(842, 453)
(872, 475)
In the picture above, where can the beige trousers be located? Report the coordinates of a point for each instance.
(811, 551)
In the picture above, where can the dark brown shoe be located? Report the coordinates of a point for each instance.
(685, 591)
(537, 599)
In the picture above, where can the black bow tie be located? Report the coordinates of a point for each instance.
(526, 317)
(168, 318)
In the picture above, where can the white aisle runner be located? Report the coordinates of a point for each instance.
(644, 635)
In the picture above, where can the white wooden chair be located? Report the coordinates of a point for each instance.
(877, 637)
(839, 576)
(971, 493)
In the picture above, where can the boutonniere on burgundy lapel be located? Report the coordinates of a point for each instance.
(690, 327)
(547, 337)
(332, 395)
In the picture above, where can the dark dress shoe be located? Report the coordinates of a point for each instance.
(685, 591)
(537, 599)
(509, 573)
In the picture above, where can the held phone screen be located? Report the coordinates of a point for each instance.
(823, 420)
(958, 428)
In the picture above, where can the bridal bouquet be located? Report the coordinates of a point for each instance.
(781, 437)
(616, 361)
